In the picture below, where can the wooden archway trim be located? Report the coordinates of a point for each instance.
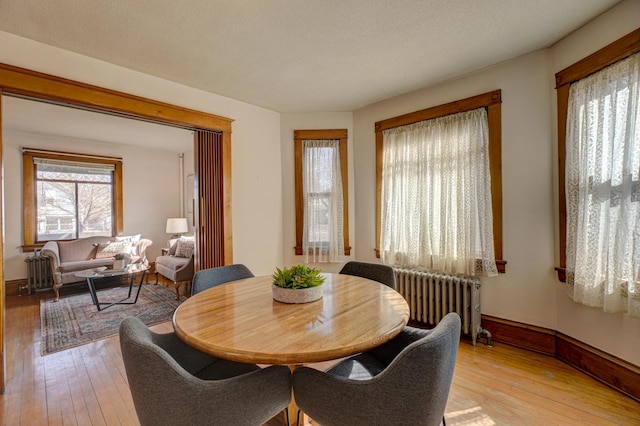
(48, 88)
(24, 82)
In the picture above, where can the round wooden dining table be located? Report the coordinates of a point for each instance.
(240, 321)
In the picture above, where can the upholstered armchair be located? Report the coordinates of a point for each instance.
(177, 264)
(406, 381)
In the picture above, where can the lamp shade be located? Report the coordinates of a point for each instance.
(177, 225)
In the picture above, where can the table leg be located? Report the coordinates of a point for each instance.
(92, 291)
(144, 274)
(294, 419)
(94, 295)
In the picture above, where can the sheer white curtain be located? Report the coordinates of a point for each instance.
(323, 204)
(603, 188)
(436, 195)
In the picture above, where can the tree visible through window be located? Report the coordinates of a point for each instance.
(70, 196)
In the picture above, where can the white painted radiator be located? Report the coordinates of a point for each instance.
(432, 295)
(39, 276)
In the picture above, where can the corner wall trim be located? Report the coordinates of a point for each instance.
(608, 369)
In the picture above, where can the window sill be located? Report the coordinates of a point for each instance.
(29, 248)
(299, 251)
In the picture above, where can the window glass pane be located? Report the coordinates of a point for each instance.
(318, 209)
(56, 172)
(56, 210)
(321, 162)
(94, 209)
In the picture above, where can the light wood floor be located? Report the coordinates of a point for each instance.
(491, 386)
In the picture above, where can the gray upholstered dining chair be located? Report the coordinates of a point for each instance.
(373, 271)
(174, 384)
(207, 278)
(406, 381)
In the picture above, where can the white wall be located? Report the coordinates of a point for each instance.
(150, 191)
(256, 157)
(529, 291)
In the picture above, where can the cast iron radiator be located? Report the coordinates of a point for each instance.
(432, 295)
(38, 272)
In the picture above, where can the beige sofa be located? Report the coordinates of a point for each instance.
(69, 257)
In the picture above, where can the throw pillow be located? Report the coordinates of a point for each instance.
(173, 243)
(133, 239)
(110, 249)
(184, 248)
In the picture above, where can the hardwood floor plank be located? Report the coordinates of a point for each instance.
(88, 395)
(525, 381)
(502, 385)
(76, 396)
(101, 383)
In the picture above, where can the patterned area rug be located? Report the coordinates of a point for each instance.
(75, 321)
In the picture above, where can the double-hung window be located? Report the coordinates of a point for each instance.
(438, 186)
(70, 196)
(322, 232)
(600, 114)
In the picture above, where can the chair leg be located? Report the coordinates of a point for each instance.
(177, 286)
(156, 283)
(56, 292)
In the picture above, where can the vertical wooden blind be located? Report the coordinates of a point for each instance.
(209, 186)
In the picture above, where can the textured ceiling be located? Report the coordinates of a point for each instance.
(301, 55)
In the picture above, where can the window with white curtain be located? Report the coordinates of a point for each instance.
(321, 196)
(602, 178)
(436, 208)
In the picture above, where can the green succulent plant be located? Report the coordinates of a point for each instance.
(122, 256)
(297, 277)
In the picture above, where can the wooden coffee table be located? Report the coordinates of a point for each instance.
(91, 275)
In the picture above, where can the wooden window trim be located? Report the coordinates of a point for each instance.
(30, 240)
(298, 137)
(493, 102)
(608, 55)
